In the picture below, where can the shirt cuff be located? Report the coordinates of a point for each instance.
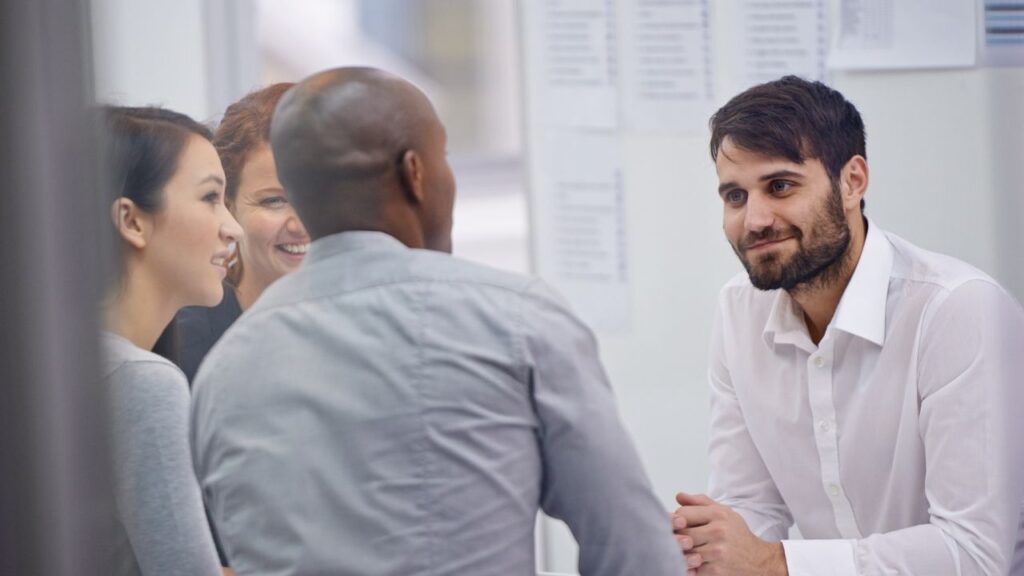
(814, 557)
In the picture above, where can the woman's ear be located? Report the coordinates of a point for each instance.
(132, 224)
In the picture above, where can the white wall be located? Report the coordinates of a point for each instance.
(946, 153)
(151, 52)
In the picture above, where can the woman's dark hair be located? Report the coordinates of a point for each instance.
(141, 148)
(244, 128)
(144, 145)
(794, 119)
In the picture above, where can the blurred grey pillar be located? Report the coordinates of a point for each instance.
(54, 499)
(232, 52)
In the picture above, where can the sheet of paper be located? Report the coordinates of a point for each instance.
(779, 38)
(571, 43)
(666, 66)
(1002, 33)
(581, 246)
(901, 34)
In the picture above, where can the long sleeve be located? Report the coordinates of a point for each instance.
(739, 477)
(593, 477)
(158, 497)
(970, 362)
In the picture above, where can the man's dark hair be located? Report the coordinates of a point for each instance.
(793, 119)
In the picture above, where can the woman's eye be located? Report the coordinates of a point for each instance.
(212, 198)
(273, 202)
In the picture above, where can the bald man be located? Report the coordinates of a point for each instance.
(390, 409)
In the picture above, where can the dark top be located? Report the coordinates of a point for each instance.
(188, 338)
(193, 331)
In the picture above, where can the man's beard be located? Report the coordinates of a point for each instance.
(816, 265)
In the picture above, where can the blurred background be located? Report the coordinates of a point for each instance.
(946, 145)
(200, 56)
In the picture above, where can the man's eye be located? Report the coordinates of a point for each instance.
(735, 196)
(273, 202)
(780, 186)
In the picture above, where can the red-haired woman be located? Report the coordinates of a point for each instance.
(274, 242)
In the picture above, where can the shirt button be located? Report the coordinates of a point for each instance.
(819, 361)
(833, 489)
(824, 425)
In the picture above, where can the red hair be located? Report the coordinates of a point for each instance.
(244, 129)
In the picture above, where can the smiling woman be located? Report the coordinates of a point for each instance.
(168, 213)
(274, 241)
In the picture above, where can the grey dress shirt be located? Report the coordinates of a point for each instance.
(386, 410)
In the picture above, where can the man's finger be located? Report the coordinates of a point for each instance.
(701, 535)
(693, 516)
(693, 560)
(678, 520)
(685, 542)
(685, 499)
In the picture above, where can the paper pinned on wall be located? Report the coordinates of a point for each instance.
(780, 38)
(902, 34)
(666, 66)
(576, 41)
(1002, 33)
(582, 241)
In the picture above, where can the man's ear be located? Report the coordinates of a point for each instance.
(132, 224)
(854, 181)
(410, 172)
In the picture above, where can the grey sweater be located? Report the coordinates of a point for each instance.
(161, 528)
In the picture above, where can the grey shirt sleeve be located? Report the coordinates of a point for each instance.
(157, 494)
(593, 477)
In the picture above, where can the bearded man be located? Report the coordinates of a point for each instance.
(862, 387)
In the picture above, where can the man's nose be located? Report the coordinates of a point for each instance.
(759, 214)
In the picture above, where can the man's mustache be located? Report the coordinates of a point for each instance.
(769, 235)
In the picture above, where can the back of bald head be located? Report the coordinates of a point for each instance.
(338, 139)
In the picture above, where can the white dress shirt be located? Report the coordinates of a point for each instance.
(895, 443)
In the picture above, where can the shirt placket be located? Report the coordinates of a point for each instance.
(826, 435)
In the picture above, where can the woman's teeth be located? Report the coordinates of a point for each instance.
(294, 248)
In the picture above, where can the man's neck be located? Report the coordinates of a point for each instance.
(819, 302)
(819, 305)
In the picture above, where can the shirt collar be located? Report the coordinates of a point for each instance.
(329, 246)
(861, 310)
(785, 323)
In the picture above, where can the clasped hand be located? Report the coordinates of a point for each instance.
(717, 542)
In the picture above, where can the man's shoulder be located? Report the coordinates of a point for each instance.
(927, 269)
(428, 265)
(360, 272)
